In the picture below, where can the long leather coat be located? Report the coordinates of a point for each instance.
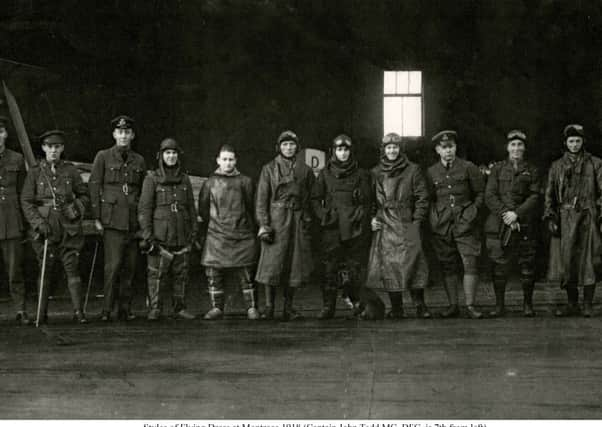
(12, 176)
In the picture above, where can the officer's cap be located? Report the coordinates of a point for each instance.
(391, 138)
(3, 121)
(574, 130)
(342, 140)
(288, 135)
(170, 144)
(516, 134)
(122, 122)
(444, 137)
(51, 137)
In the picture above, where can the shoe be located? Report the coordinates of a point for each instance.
(105, 316)
(499, 311)
(268, 313)
(473, 313)
(291, 314)
(588, 310)
(214, 314)
(567, 311)
(395, 314)
(79, 317)
(528, 310)
(253, 314)
(452, 311)
(22, 318)
(154, 314)
(125, 314)
(422, 312)
(184, 314)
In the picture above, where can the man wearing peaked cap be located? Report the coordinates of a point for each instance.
(512, 196)
(115, 183)
(54, 200)
(341, 200)
(12, 175)
(572, 210)
(458, 187)
(283, 214)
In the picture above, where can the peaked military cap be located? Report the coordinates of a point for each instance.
(342, 140)
(444, 136)
(574, 130)
(516, 134)
(3, 121)
(54, 136)
(391, 138)
(122, 122)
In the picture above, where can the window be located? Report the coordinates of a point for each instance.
(402, 103)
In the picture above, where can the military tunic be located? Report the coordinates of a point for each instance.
(115, 183)
(397, 261)
(12, 175)
(342, 204)
(167, 217)
(573, 200)
(59, 200)
(518, 190)
(283, 205)
(458, 196)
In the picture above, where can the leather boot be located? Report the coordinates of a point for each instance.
(452, 282)
(470, 287)
(588, 299)
(572, 308)
(153, 289)
(422, 311)
(270, 303)
(250, 297)
(289, 313)
(329, 300)
(125, 312)
(396, 299)
(499, 288)
(528, 287)
(216, 296)
(22, 318)
(179, 310)
(79, 317)
(74, 285)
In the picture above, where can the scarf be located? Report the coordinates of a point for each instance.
(341, 169)
(393, 167)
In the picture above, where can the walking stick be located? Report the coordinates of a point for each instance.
(42, 274)
(91, 275)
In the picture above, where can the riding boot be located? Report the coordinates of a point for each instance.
(422, 311)
(572, 308)
(396, 299)
(528, 286)
(451, 288)
(289, 313)
(329, 300)
(270, 302)
(470, 288)
(499, 288)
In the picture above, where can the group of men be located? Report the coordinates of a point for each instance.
(263, 234)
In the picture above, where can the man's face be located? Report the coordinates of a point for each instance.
(170, 157)
(226, 161)
(123, 137)
(447, 151)
(516, 149)
(53, 152)
(342, 153)
(392, 151)
(288, 148)
(3, 136)
(574, 144)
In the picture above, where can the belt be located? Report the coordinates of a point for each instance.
(124, 188)
(293, 204)
(172, 207)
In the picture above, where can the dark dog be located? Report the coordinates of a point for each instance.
(364, 303)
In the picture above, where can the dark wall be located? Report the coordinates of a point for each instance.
(210, 72)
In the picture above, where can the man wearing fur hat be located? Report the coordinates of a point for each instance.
(228, 230)
(115, 183)
(458, 188)
(168, 224)
(341, 200)
(512, 196)
(573, 200)
(283, 213)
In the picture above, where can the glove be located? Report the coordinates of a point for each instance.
(147, 246)
(266, 234)
(44, 230)
(375, 224)
(553, 228)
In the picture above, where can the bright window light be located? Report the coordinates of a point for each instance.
(402, 102)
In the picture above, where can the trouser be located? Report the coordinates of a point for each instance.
(69, 258)
(12, 254)
(215, 279)
(161, 269)
(120, 255)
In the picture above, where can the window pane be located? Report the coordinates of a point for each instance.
(389, 88)
(412, 116)
(402, 82)
(392, 114)
(415, 83)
